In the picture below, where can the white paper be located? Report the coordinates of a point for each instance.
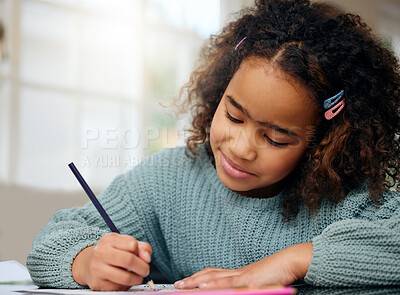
(13, 271)
(141, 289)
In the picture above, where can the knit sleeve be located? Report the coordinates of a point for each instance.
(362, 251)
(71, 230)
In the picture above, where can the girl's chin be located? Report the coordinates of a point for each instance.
(237, 185)
(244, 188)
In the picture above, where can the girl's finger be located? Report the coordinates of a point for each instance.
(144, 246)
(118, 241)
(224, 283)
(186, 283)
(206, 276)
(145, 251)
(120, 276)
(145, 256)
(127, 260)
(205, 271)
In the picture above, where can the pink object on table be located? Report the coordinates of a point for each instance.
(277, 290)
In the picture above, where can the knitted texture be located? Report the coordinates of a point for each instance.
(193, 221)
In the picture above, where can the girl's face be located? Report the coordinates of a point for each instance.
(261, 129)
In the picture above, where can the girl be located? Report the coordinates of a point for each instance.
(285, 176)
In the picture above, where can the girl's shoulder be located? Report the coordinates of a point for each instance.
(165, 177)
(358, 203)
(168, 156)
(176, 157)
(172, 161)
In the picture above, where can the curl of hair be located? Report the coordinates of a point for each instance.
(326, 51)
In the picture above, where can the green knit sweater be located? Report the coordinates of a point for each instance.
(193, 221)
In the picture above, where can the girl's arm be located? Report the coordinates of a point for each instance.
(354, 252)
(71, 230)
(281, 268)
(359, 252)
(351, 253)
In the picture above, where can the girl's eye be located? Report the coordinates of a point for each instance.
(274, 143)
(234, 120)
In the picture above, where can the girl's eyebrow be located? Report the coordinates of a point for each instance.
(265, 124)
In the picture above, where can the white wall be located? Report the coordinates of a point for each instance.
(23, 212)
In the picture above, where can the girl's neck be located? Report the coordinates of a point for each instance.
(265, 192)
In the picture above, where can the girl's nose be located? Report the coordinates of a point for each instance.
(243, 148)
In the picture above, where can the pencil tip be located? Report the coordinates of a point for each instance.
(151, 284)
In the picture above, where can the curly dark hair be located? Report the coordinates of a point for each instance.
(326, 51)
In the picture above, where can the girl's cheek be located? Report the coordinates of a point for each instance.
(288, 162)
(212, 131)
(216, 131)
(224, 133)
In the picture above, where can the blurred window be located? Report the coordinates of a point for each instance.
(389, 24)
(82, 81)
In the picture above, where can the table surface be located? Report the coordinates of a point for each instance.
(302, 290)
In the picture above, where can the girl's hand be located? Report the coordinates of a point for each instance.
(117, 262)
(281, 268)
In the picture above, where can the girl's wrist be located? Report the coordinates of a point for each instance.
(302, 255)
(78, 266)
(297, 259)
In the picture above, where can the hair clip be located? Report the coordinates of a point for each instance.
(333, 100)
(240, 42)
(329, 114)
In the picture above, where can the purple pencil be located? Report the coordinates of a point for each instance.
(101, 210)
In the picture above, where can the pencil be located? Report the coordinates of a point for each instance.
(101, 210)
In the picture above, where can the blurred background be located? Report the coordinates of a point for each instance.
(87, 81)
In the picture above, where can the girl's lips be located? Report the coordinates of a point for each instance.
(234, 170)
